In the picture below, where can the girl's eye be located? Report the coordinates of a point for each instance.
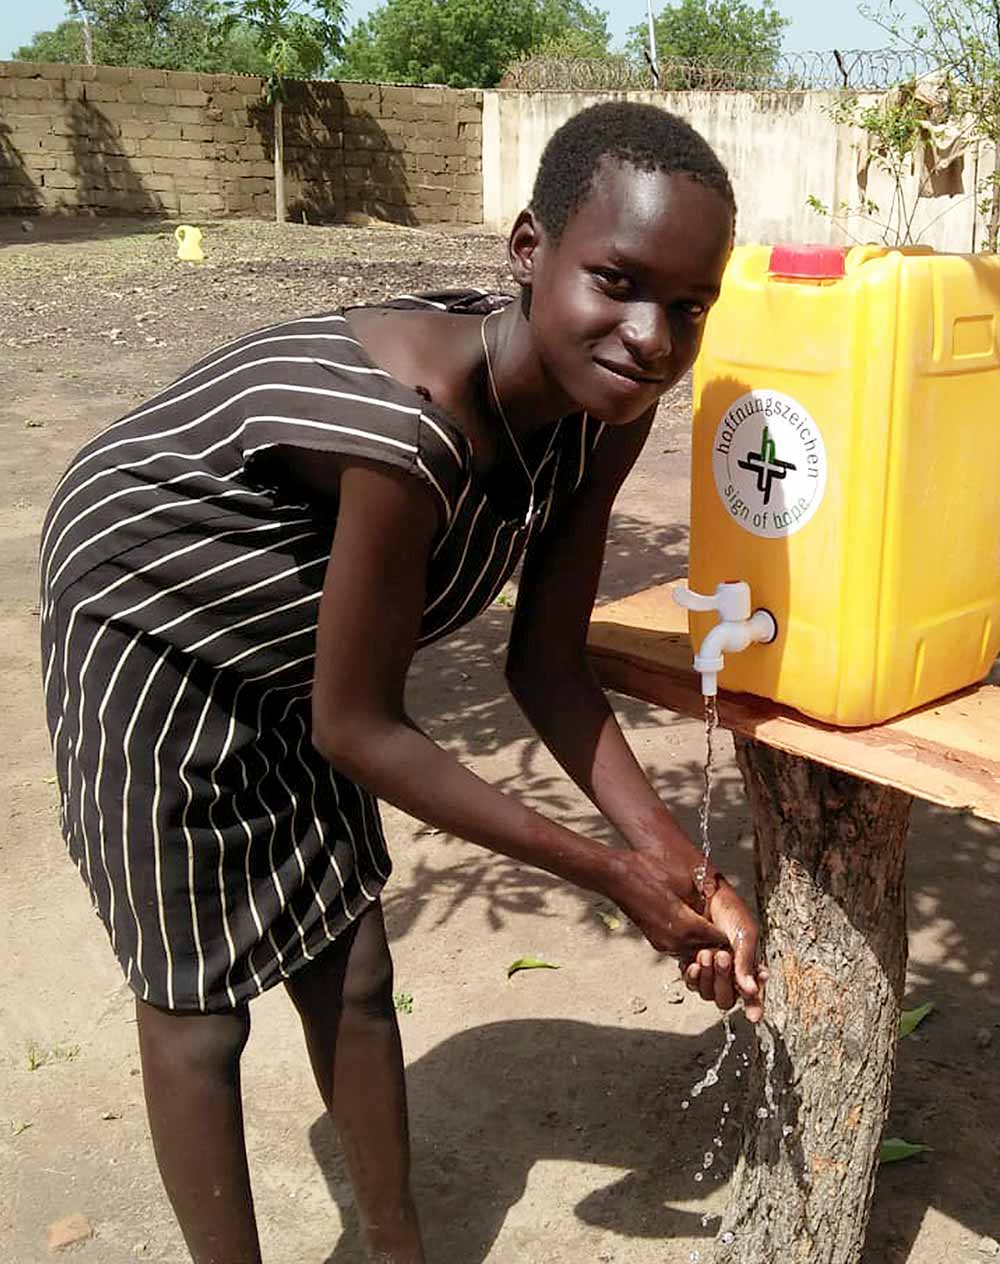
(692, 311)
(614, 282)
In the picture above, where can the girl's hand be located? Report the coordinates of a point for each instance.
(724, 975)
(645, 890)
(718, 952)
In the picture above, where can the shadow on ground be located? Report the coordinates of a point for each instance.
(42, 230)
(491, 1102)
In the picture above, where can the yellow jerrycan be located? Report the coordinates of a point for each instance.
(846, 464)
(189, 241)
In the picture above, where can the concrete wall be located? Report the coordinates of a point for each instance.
(780, 149)
(123, 140)
(110, 139)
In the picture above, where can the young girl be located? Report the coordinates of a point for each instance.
(235, 579)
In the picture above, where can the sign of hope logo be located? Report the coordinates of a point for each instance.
(769, 463)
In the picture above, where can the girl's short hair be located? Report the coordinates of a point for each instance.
(645, 136)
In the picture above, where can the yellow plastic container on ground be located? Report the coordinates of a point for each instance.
(846, 464)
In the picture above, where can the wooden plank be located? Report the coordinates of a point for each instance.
(947, 753)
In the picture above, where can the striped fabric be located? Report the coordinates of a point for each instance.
(181, 576)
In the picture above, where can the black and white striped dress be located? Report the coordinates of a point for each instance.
(180, 590)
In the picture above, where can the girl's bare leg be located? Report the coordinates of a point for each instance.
(191, 1078)
(344, 999)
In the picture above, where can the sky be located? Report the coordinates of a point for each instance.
(814, 24)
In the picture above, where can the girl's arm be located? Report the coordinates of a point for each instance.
(369, 623)
(549, 674)
(550, 677)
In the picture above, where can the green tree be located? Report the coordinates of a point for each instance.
(572, 24)
(575, 45)
(725, 34)
(62, 44)
(465, 43)
(146, 32)
(166, 34)
(962, 39)
(294, 43)
(202, 41)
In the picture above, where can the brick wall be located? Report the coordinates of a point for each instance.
(129, 141)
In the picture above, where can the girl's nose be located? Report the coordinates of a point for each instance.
(646, 334)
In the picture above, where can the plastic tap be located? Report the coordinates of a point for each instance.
(737, 628)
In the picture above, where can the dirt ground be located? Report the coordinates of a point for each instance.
(545, 1109)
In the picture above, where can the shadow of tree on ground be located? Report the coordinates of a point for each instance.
(510, 1101)
(489, 1103)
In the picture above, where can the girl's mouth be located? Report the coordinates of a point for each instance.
(629, 378)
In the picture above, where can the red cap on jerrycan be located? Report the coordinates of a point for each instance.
(810, 263)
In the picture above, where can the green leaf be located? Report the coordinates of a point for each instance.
(528, 963)
(463, 43)
(910, 1019)
(895, 1150)
(609, 920)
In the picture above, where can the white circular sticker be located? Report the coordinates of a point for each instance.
(769, 463)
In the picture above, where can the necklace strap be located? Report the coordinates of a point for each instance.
(498, 405)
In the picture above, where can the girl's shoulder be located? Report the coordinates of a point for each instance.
(458, 301)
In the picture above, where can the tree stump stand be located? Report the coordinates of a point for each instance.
(829, 852)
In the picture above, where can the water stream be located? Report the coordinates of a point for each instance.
(705, 816)
(763, 1033)
(711, 1076)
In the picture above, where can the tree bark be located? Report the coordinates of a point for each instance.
(279, 162)
(830, 853)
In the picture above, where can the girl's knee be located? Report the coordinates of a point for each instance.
(191, 1043)
(368, 983)
(352, 978)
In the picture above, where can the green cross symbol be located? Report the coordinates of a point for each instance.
(765, 465)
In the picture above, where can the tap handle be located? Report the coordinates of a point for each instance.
(731, 600)
(692, 600)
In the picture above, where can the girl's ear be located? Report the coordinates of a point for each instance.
(525, 238)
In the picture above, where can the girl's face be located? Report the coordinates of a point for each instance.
(618, 303)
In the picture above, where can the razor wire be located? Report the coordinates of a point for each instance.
(858, 70)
